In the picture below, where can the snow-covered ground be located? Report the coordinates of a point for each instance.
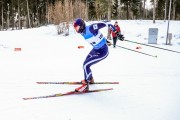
(149, 87)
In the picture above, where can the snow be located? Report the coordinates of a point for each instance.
(148, 90)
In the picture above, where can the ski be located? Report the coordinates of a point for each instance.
(75, 83)
(67, 93)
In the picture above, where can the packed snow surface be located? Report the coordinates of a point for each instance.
(148, 89)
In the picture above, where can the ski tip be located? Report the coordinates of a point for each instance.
(115, 82)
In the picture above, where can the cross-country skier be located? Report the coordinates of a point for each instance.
(99, 52)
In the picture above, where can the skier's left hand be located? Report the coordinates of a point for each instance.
(108, 43)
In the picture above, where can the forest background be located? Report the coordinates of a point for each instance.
(19, 14)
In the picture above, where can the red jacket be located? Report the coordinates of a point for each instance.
(117, 28)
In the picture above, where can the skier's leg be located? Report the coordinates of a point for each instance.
(93, 57)
(96, 56)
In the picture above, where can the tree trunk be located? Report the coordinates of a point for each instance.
(165, 10)
(119, 9)
(174, 10)
(29, 21)
(71, 11)
(97, 9)
(144, 10)
(2, 17)
(109, 9)
(169, 17)
(86, 11)
(47, 11)
(12, 10)
(109, 18)
(8, 17)
(37, 14)
(154, 10)
(19, 18)
(127, 7)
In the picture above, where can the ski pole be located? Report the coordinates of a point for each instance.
(152, 46)
(138, 51)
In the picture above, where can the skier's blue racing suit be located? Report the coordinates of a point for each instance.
(100, 50)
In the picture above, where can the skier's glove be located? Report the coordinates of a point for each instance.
(120, 36)
(108, 43)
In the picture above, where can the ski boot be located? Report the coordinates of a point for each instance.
(83, 88)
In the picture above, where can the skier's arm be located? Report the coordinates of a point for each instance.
(96, 26)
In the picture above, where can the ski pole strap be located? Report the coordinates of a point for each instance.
(138, 51)
(152, 46)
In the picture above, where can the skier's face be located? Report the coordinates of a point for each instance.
(76, 28)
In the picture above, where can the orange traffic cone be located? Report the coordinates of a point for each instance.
(80, 47)
(17, 49)
(138, 47)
